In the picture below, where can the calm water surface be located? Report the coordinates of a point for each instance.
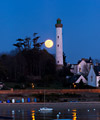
(34, 114)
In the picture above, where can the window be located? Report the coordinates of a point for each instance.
(58, 45)
(80, 70)
(57, 61)
(91, 78)
(99, 83)
(57, 36)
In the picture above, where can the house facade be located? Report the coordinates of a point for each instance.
(83, 66)
(84, 71)
(94, 76)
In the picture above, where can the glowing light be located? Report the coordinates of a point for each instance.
(74, 114)
(48, 43)
(74, 110)
(68, 109)
(32, 85)
(33, 115)
(88, 110)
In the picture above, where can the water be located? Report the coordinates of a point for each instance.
(34, 114)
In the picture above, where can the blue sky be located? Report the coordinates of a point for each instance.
(80, 19)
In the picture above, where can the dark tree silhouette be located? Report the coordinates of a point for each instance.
(27, 43)
(36, 44)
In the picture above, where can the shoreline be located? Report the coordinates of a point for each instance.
(57, 106)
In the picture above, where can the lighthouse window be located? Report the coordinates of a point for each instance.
(58, 61)
(58, 36)
(91, 78)
(58, 45)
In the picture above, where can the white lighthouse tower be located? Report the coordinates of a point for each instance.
(59, 44)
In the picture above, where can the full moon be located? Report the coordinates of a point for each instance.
(48, 43)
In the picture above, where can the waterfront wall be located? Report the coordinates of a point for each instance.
(49, 91)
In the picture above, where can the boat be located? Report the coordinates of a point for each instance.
(45, 109)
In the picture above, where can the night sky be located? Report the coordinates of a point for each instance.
(80, 19)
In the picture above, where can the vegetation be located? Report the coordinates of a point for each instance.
(28, 64)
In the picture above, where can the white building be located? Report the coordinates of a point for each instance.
(94, 76)
(83, 67)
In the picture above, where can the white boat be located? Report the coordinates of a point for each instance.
(46, 109)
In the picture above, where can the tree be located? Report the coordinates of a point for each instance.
(64, 59)
(3, 71)
(36, 44)
(31, 61)
(19, 44)
(27, 43)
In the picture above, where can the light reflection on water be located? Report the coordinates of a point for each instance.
(32, 114)
(74, 114)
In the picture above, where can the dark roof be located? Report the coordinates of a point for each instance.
(86, 60)
(97, 70)
(59, 19)
(74, 78)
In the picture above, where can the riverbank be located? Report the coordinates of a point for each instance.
(59, 105)
(51, 95)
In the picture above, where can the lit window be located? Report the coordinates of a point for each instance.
(80, 70)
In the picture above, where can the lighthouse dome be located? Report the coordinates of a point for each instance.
(58, 21)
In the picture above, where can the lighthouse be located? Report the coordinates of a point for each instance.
(59, 44)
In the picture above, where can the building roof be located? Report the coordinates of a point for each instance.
(74, 78)
(86, 60)
(59, 19)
